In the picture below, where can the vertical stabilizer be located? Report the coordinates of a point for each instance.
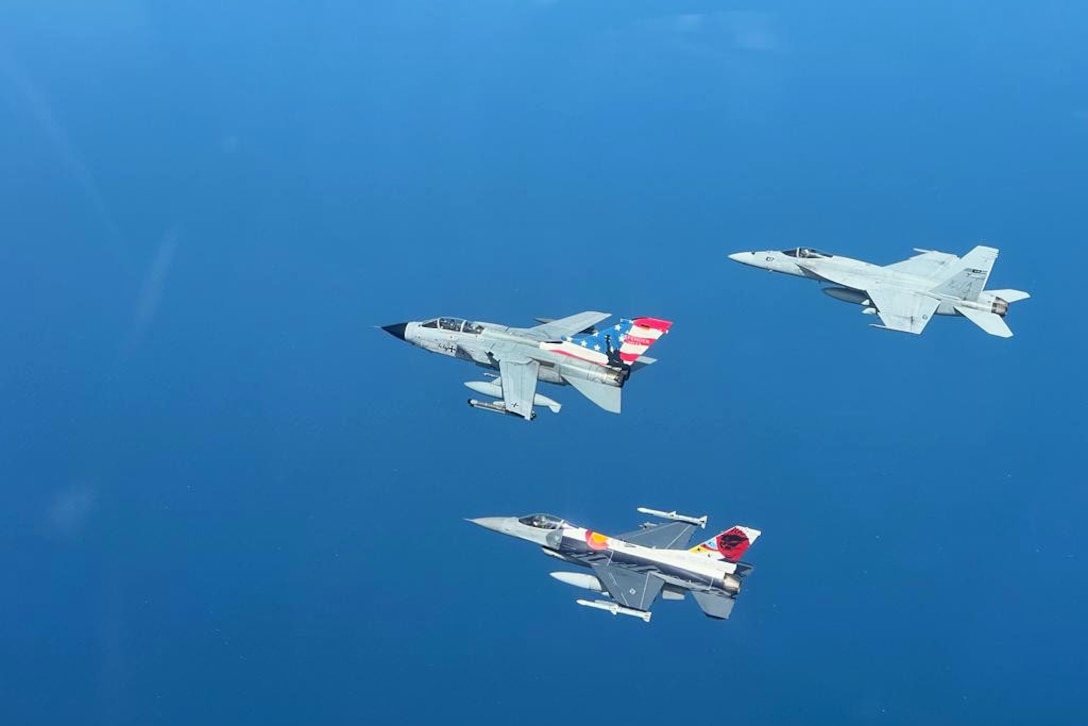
(972, 272)
(620, 344)
(643, 333)
(729, 545)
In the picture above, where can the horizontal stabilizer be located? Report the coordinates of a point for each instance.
(714, 606)
(991, 323)
(885, 327)
(607, 397)
(1010, 295)
(743, 570)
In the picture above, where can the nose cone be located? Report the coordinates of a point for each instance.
(760, 260)
(495, 524)
(396, 330)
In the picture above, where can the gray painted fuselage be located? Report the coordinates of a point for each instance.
(494, 341)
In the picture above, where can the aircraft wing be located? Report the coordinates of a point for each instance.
(566, 327)
(669, 536)
(902, 310)
(519, 385)
(629, 588)
(929, 264)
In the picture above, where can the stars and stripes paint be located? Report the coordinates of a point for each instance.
(621, 343)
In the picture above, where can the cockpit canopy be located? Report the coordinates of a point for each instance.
(806, 253)
(454, 325)
(542, 521)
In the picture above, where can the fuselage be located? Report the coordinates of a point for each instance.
(824, 267)
(681, 568)
(485, 343)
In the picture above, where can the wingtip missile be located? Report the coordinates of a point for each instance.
(615, 609)
(700, 521)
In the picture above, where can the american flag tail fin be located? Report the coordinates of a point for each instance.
(636, 336)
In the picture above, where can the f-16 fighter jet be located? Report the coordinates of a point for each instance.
(907, 294)
(597, 362)
(632, 569)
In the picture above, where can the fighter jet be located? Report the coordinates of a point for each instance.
(597, 362)
(632, 569)
(907, 294)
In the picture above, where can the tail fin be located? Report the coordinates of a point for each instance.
(1010, 296)
(730, 545)
(625, 341)
(971, 274)
(605, 396)
(990, 322)
(637, 339)
(993, 319)
(714, 606)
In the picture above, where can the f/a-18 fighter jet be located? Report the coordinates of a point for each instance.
(907, 294)
(596, 361)
(632, 569)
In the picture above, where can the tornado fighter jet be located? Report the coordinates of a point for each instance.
(630, 570)
(595, 361)
(907, 294)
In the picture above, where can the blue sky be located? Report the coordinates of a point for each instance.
(226, 498)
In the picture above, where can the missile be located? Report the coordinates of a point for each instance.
(615, 609)
(701, 521)
(495, 391)
(579, 579)
(496, 407)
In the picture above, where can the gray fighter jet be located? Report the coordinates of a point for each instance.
(632, 569)
(597, 362)
(906, 294)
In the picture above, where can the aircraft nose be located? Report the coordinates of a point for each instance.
(742, 257)
(396, 330)
(495, 524)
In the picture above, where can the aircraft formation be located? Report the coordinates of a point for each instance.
(630, 571)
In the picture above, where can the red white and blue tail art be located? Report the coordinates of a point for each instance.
(616, 345)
